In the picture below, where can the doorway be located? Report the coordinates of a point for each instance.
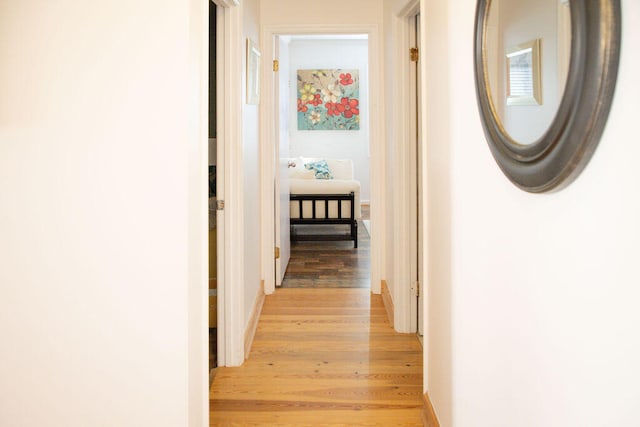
(308, 132)
(269, 136)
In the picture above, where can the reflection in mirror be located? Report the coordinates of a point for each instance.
(523, 74)
(527, 51)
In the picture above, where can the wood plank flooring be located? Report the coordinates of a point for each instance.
(323, 357)
(329, 264)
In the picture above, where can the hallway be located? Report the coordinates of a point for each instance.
(323, 357)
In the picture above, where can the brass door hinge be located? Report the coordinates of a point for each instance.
(276, 65)
(417, 288)
(414, 54)
(277, 252)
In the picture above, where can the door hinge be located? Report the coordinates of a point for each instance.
(417, 286)
(276, 65)
(414, 54)
(277, 252)
(219, 205)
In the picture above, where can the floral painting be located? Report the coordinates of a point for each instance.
(328, 100)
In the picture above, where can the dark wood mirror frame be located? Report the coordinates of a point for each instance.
(561, 153)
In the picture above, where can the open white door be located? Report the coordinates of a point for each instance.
(281, 109)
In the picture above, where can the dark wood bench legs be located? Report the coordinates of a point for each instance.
(325, 220)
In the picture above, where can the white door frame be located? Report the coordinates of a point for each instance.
(377, 129)
(230, 220)
(404, 201)
(415, 173)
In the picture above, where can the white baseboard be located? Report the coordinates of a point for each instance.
(429, 418)
(252, 325)
(387, 300)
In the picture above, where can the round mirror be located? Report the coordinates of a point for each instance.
(545, 75)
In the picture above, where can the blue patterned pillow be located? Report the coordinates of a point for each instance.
(320, 168)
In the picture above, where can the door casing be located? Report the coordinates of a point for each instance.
(405, 201)
(377, 129)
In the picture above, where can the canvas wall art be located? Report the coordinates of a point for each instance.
(328, 100)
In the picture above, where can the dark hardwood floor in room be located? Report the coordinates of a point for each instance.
(330, 264)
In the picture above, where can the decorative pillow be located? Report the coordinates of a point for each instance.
(301, 173)
(320, 168)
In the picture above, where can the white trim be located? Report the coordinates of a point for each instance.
(424, 203)
(252, 323)
(268, 171)
(412, 178)
(404, 203)
(230, 221)
(221, 137)
(378, 159)
(376, 102)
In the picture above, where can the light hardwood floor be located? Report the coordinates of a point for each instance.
(323, 357)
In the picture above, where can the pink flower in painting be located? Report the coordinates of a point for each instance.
(348, 107)
(301, 107)
(332, 109)
(345, 79)
(317, 100)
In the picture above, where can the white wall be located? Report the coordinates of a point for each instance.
(251, 165)
(98, 126)
(533, 312)
(336, 12)
(438, 76)
(326, 55)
